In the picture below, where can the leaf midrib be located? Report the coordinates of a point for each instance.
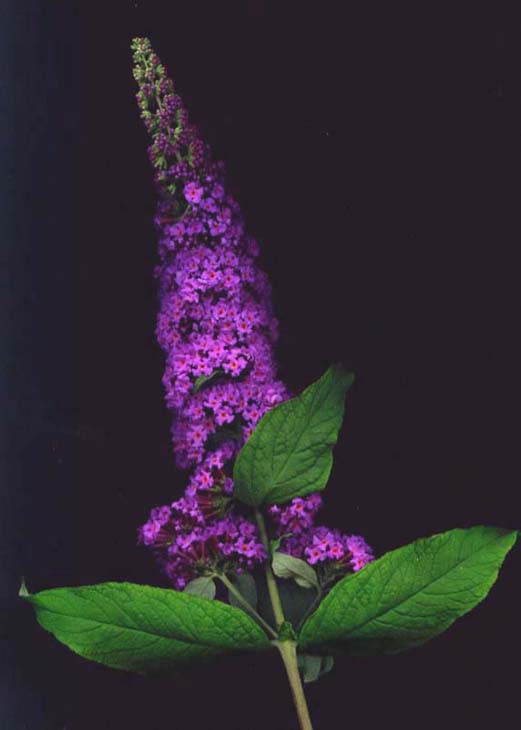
(291, 453)
(135, 630)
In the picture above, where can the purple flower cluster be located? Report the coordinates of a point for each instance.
(323, 545)
(317, 544)
(297, 516)
(186, 548)
(217, 329)
(215, 325)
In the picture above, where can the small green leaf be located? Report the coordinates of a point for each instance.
(276, 543)
(229, 432)
(328, 662)
(203, 587)
(205, 379)
(309, 665)
(409, 595)
(245, 584)
(290, 452)
(23, 591)
(144, 629)
(286, 566)
(312, 666)
(287, 632)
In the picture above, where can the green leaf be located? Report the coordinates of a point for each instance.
(141, 628)
(203, 587)
(160, 162)
(328, 662)
(23, 591)
(309, 665)
(409, 595)
(289, 454)
(276, 543)
(296, 601)
(204, 379)
(312, 666)
(287, 632)
(245, 584)
(228, 432)
(286, 566)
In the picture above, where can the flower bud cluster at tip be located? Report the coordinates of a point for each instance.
(217, 329)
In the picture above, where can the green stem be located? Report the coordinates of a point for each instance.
(276, 603)
(246, 605)
(288, 652)
(286, 647)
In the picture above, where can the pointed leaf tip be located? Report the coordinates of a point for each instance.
(409, 595)
(23, 591)
(289, 454)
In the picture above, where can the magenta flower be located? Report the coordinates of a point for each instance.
(193, 193)
(328, 548)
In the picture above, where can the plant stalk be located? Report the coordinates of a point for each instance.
(287, 647)
(247, 606)
(288, 652)
(276, 603)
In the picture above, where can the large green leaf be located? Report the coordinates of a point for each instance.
(290, 452)
(141, 628)
(410, 594)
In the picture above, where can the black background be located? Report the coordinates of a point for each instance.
(375, 152)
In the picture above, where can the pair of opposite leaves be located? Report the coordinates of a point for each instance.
(397, 602)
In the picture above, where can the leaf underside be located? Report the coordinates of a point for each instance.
(409, 595)
(286, 566)
(203, 587)
(312, 667)
(245, 584)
